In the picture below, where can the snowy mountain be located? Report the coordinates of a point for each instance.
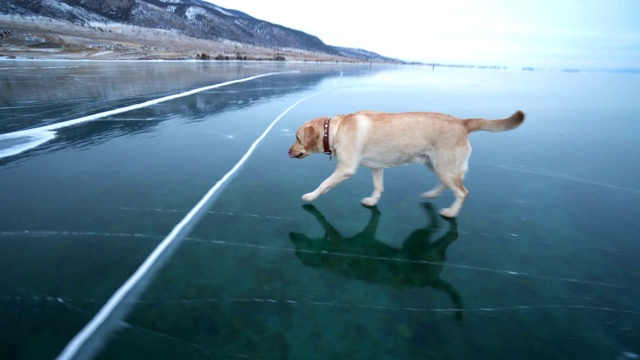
(193, 18)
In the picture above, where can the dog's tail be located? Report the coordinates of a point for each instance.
(509, 123)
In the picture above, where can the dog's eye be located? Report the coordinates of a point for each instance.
(297, 138)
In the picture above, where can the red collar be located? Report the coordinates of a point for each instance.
(325, 138)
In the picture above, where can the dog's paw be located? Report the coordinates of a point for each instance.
(448, 213)
(308, 197)
(431, 194)
(369, 201)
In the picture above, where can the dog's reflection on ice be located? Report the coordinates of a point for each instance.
(417, 264)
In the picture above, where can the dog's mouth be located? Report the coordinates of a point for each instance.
(299, 156)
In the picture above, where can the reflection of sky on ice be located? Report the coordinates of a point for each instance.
(40, 135)
(544, 248)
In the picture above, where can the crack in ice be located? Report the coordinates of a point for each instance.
(129, 288)
(424, 262)
(565, 177)
(302, 303)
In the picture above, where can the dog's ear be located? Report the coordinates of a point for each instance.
(310, 138)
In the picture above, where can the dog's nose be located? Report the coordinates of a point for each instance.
(291, 153)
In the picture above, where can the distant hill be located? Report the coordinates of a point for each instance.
(193, 18)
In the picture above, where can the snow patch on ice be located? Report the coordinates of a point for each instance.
(629, 355)
(20, 141)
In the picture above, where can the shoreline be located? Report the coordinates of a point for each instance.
(41, 38)
(38, 37)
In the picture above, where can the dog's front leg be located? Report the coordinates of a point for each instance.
(341, 174)
(378, 188)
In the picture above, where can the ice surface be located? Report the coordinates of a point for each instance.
(84, 343)
(544, 264)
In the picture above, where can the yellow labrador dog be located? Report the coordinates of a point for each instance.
(380, 140)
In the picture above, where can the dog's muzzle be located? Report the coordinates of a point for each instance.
(294, 156)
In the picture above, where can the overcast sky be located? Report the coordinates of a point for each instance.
(539, 33)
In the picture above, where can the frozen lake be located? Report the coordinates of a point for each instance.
(150, 210)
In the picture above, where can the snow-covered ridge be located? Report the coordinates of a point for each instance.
(193, 11)
(193, 18)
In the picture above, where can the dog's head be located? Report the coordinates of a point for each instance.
(308, 140)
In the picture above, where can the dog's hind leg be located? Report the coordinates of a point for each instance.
(378, 188)
(439, 187)
(454, 182)
(435, 192)
(451, 169)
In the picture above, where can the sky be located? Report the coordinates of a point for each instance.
(577, 34)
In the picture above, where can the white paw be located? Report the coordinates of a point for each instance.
(369, 201)
(308, 197)
(431, 194)
(448, 213)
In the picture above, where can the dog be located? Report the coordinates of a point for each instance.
(380, 140)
